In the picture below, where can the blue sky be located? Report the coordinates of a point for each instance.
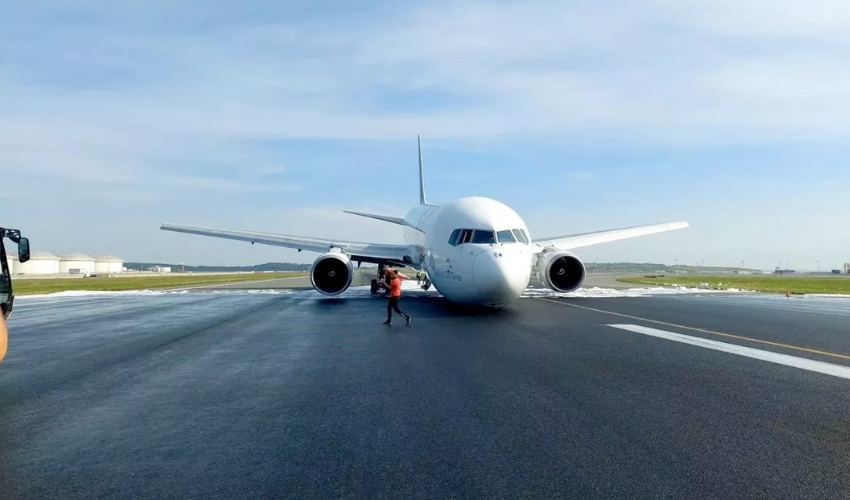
(275, 116)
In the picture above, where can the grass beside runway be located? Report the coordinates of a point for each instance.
(41, 286)
(753, 283)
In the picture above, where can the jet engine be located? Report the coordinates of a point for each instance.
(331, 273)
(560, 271)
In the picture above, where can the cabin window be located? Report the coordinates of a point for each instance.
(483, 237)
(505, 236)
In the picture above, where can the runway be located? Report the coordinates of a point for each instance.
(274, 393)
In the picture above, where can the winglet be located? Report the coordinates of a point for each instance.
(422, 200)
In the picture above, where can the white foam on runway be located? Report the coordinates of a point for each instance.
(362, 292)
(145, 293)
(87, 293)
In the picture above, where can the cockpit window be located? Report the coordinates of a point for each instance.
(505, 237)
(519, 235)
(482, 237)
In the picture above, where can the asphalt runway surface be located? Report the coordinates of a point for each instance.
(284, 394)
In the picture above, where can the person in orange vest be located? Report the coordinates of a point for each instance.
(394, 281)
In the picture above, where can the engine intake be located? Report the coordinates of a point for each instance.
(331, 273)
(561, 271)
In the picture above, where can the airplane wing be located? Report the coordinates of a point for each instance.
(366, 252)
(586, 239)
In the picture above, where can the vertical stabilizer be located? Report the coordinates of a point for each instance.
(422, 200)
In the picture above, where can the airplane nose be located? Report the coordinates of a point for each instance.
(501, 276)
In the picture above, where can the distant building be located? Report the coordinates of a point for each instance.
(846, 268)
(39, 263)
(160, 269)
(65, 263)
(76, 263)
(108, 264)
(836, 271)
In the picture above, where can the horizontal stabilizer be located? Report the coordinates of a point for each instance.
(385, 218)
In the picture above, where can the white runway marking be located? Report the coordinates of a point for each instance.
(602, 292)
(772, 357)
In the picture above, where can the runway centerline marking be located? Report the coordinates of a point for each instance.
(710, 332)
(772, 357)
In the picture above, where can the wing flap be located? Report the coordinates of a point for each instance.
(587, 239)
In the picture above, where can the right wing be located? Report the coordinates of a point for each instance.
(366, 252)
(586, 239)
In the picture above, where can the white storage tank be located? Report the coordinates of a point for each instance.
(39, 263)
(76, 263)
(108, 264)
(12, 262)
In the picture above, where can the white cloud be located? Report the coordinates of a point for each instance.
(143, 106)
(521, 67)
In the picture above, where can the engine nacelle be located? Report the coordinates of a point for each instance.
(332, 273)
(561, 271)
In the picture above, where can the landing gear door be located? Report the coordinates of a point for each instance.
(6, 297)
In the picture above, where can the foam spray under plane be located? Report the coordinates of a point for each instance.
(475, 250)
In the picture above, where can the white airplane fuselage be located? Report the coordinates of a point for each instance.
(485, 273)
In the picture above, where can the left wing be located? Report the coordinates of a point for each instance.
(586, 239)
(366, 252)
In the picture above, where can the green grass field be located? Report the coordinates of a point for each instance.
(753, 283)
(40, 286)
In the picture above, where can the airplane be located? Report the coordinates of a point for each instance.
(474, 250)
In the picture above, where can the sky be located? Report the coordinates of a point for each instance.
(275, 116)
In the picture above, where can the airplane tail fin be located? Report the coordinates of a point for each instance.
(422, 200)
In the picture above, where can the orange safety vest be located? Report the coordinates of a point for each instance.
(395, 287)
